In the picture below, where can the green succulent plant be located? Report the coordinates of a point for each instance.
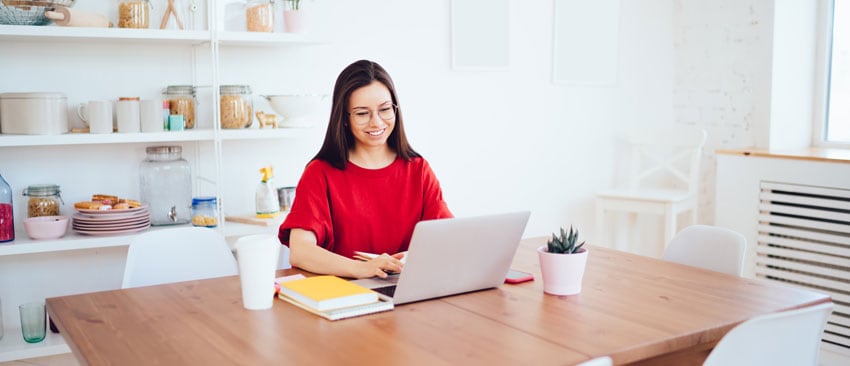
(564, 244)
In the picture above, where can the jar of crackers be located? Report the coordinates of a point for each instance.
(44, 200)
(259, 16)
(204, 212)
(236, 106)
(181, 101)
(133, 13)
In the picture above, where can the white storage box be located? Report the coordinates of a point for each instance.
(33, 113)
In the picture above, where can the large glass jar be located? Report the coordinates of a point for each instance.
(166, 185)
(7, 217)
(44, 200)
(236, 106)
(181, 100)
(259, 16)
(133, 13)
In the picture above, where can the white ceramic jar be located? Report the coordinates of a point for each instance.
(33, 113)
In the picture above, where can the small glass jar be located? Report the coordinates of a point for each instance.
(133, 13)
(44, 200)
(204, 212)
(7, 217)
(166, 185)
(259, 16)
(181, 101)
(236, 106)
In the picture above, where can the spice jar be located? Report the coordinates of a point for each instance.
(133, 13)
(236, 106)
(204, 212)
(7, 217)
(44, 200)
(181, 101)
(166, 185)
(259, 16)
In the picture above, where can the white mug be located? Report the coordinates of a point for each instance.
(150, 111)
(128, 115)
(98, 115)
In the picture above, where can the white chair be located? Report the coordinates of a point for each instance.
(710, 247)
(599, 361)
(790, 338)
(663, 179)
(178, 254)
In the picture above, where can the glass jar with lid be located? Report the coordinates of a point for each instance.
(181, 101)
(259, 16)
(166, 185)
(44, 200)
(236, 106)
(133, 13)
(204, 212)
(7, 217)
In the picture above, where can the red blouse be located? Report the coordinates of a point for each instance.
(368, 210)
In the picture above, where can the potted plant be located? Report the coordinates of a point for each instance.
(293, 16)
(562, 263)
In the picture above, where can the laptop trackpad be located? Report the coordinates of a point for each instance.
(376, 282)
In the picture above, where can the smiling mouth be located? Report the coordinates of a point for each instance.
(377, 133)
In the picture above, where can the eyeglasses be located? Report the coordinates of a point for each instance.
(362, 116)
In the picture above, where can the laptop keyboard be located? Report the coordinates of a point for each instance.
(388, 290)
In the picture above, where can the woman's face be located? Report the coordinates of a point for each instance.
(371, 115)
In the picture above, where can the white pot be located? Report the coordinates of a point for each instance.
(562, 273)
(298, 110)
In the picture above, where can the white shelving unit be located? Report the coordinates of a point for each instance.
(12, 346)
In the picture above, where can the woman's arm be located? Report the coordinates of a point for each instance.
(304, 253)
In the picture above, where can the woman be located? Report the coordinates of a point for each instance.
(366, 188)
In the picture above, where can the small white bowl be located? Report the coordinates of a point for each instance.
(302, 110)
(46, 227)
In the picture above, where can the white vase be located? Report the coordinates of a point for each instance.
(562, 273)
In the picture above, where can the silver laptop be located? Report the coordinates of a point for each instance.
(452, 256)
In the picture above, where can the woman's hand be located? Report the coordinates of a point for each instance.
(380, 266)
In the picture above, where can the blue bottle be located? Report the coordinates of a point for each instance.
(7, 217)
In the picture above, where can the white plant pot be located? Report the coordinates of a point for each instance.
(562, 273)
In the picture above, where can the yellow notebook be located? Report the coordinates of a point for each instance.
(327, 292)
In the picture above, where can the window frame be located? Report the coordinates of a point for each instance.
(826, 10)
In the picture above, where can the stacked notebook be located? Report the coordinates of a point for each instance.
(332, 297)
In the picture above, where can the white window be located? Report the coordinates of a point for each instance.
(836, 126)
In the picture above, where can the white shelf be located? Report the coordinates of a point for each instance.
(265, 39)
(13, 347)
(108, 138)
(99, 35)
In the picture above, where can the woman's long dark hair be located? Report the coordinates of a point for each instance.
(338, 139)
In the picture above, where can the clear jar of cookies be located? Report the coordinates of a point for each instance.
(236, 106)
(259, 16)
(133, 13)
(204, 212)
(181, 101)
(44, 200)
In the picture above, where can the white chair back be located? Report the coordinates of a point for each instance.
(710, 247)
(178, 254)
(599, 361)
(672, 154)
(790, 338)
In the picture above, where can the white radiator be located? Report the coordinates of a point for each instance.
(804, 240)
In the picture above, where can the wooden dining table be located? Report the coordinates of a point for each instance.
(635, 309)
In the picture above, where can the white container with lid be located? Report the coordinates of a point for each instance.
(33, 113)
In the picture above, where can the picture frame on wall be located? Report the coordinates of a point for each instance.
(480, 34)
(585, 41)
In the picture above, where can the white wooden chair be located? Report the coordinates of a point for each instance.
(599, 361)
(790, 338)
(710, 247)
(663, 179)
(178, 254)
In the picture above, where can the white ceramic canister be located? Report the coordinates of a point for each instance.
(128, 116)
(33, 113)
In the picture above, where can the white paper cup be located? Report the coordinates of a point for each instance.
(150, 111)
(257, 256)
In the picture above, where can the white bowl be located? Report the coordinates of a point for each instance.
(46, 227)
(297, 110)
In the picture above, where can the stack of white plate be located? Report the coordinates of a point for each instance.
(108, 222)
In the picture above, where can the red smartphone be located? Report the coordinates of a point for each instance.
(517, 276)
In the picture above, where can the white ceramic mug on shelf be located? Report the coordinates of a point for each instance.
(150, 111)
(97, 114)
